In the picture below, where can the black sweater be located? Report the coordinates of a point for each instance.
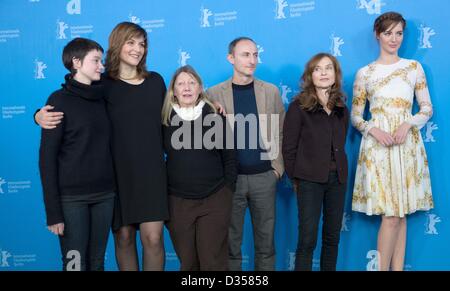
(75, 157)
(195, 173)
(249, 159)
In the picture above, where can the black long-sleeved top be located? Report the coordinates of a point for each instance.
(195, 173)
(75, 157)
(309, 140)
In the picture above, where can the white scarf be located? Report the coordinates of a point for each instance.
(189, 113)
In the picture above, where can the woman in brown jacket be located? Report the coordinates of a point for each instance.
(313, 148)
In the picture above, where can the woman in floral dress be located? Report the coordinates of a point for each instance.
(392, 176)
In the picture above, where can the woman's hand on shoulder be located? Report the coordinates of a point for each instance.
(220, 108)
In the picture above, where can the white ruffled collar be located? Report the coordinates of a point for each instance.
(189, 113)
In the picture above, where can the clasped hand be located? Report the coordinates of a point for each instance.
(388, 140)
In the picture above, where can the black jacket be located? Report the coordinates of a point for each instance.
(309, 137)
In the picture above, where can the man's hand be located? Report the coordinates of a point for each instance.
(276, 174)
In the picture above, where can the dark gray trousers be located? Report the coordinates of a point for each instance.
(258, 193)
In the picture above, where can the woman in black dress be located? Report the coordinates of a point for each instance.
(134, 99)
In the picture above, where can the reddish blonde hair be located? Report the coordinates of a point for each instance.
(308, 97)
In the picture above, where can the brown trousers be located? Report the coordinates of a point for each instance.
(199, 230)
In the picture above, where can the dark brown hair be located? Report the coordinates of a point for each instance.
(123, 32)
(78, 48)
(308, 97)
(386, 20)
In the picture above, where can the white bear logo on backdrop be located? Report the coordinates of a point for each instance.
(204, 18)
(345, 220)
(294, 9)
(285, 90)
(291, 261)
(5, 255)
(74, 7)
(2, 181)
(280, 5)
(61, 27)
(39, 69)
(428, 129)
(134, 18)
(219, 18)
(425, 34)
(430, 225)
(260, 51)
(148, 24)
(372, 6)
(336, 43)
(183, 57)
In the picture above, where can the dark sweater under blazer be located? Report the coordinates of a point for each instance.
(309, 137)
(75, 157)
(197, 173)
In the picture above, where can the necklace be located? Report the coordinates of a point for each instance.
(121, 77)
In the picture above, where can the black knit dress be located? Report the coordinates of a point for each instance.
(135, 114)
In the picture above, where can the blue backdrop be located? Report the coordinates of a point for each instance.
(197, 32)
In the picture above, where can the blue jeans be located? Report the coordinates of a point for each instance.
(86, 230)
(311, 197)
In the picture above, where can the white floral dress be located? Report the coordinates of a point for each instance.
(391, 181)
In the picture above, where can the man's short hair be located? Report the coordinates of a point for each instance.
(235, 41)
